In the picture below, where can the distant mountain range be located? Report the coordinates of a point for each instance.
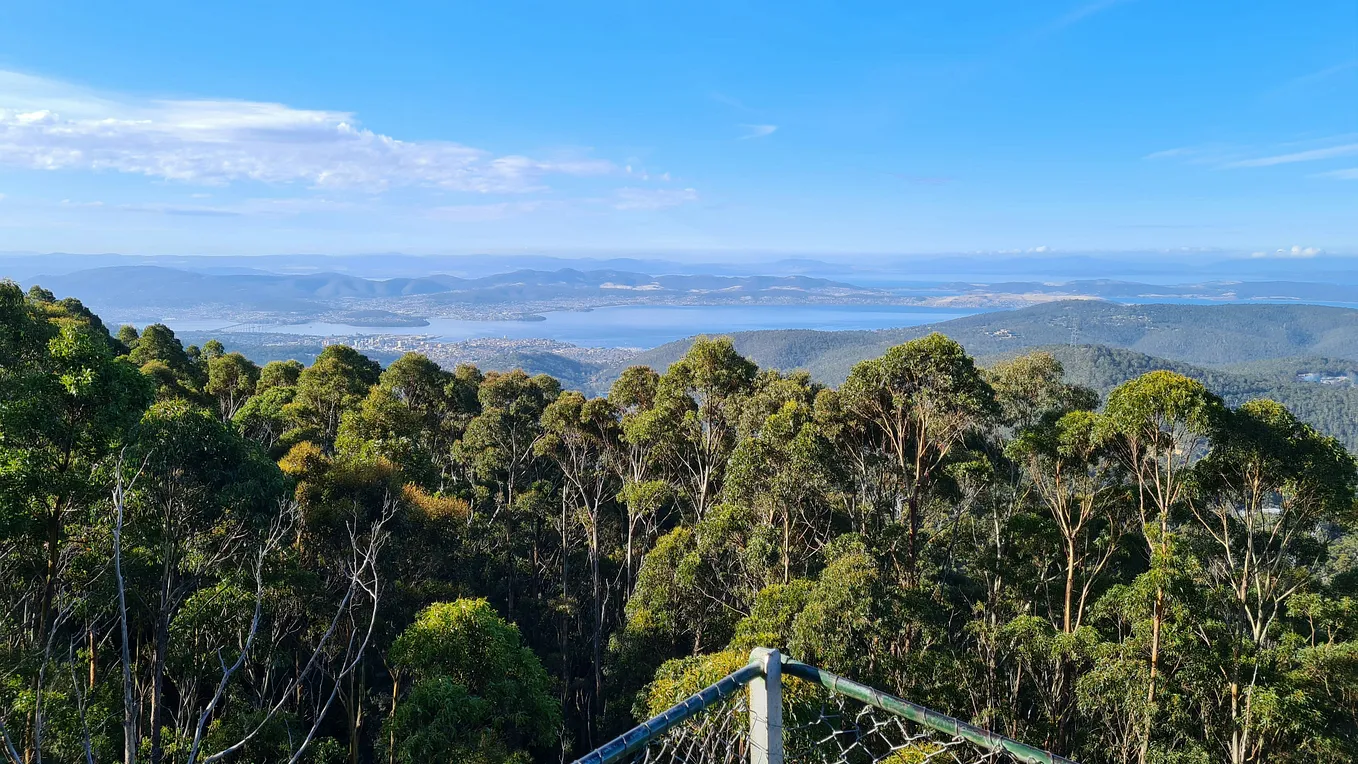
(144, 290)
(151, 291)
(867, 269)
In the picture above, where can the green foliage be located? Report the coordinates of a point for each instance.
(231, 377)
(279, 374)
(336, 383)
(1172, 576)
(477, 693)
(158, 343)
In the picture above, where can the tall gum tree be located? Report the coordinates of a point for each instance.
(1159, 425)
(922, 399)
(579, 435)
(696, 414)
(1269, 489)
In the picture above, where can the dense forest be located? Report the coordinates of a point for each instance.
(205, 560)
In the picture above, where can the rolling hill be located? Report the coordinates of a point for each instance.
(1239, 351)
(1198, 334)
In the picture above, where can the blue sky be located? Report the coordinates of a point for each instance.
(893, 127)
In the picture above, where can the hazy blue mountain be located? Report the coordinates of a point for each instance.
(138, 287)
(875, 269)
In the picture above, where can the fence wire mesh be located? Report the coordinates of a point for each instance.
(825, 729)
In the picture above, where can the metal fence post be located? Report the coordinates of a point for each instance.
(766, 708)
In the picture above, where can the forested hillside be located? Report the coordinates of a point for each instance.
(1196, 334)
(206, 560)
(1333, 410)
(1239, 351)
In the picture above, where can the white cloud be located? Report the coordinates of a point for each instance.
(653, 198)
(266, 207)
(1312, 155)
(54, 126)
(757, 131)
(1295, 251)
(183, 210)
(1225, 157)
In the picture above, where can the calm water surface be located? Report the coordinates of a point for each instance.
(625, 325)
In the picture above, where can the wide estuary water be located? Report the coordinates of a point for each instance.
(641, 326)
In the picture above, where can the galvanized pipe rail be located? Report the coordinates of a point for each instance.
(764, 673)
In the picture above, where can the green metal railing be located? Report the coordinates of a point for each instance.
(763, 675)
(640, 736)
(921, 715)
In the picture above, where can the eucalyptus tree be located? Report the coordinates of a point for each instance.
(264, 418)
(231, 379)
(500, 448)
(637, 459)
(128, 336)
(694, 586)
(204, 493)
(335, 383)
(158, 343)
(1271, 488)
(67, 405)
(580, 435)
(1071, 471)
(1159, 425)
(780, 470)
(695, 418)
(1070, 468)
(1031, 388)
(279, 374)
(920, 399)
(476, 694)
(414, 415)
(405, 418)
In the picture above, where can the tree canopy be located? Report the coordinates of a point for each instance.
(204, 560)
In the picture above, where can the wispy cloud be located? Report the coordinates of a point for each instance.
(1222, 157)
(757, 131)
(181, 210)
(1346, 174)
(1077, 15)
(266, 207)
(1312, 155)
(48, 125)
(1307, 80)
(653, 198)
(731, 101)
